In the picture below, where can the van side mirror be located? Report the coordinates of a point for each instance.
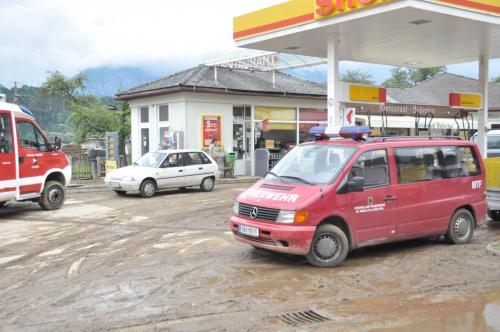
(356, 184)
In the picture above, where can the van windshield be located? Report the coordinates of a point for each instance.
(312, 164)
(150, 159)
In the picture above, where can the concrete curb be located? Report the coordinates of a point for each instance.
(494, 248)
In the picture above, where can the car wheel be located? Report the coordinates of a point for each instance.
(182, 188)
(494, 214)
(120, 192)
(329, 247)
(461, 227)
(148, 188)
(207, 184)
(2, 204)
(53, 196)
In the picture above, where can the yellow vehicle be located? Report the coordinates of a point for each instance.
(493, 187)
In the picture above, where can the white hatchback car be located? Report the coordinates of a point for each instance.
(165, 169)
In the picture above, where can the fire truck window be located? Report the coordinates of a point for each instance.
(5, 134)
(43, 145)
(373, 167)
(27, 135)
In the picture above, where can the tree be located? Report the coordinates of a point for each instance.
(495, 80)
(418, 75)
(400, 78)
(357, 76)
(90, 116)
(408, 77)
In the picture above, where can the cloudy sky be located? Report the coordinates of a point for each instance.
(71, 35)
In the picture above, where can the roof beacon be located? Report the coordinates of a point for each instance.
(323, 133)
(357, 133)
(25, 110)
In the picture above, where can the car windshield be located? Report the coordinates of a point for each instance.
(151, 159)
(311, 164)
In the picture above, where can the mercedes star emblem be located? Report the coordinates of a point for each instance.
(254, 213)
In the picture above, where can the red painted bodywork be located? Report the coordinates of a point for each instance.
(419, 209)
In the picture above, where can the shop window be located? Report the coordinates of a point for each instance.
(304, 129)
(144, 114)
(282, 136)
(373, 167)
(313, 114)
(163, 113)
(5, 134)
(275, 113)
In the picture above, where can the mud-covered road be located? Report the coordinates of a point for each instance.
(170, 262)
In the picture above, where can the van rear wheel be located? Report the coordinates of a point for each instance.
(494, 214)
(329, 247)
(461, 227)
(53, 196)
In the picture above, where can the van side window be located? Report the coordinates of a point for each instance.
(459, 161)
(5, 134)
(373, 167)
(30, 137)
(434, 163)
(418, 164)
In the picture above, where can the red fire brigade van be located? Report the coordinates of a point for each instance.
(30, 167)
(326, 198)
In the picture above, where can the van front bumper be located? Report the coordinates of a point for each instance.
(290, 239)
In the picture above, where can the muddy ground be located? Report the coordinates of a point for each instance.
(105, 262)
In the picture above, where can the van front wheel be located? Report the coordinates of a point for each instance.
(461, 227)
(53, 196)
(329, 247)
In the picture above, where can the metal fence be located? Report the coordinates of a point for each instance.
(85, 167)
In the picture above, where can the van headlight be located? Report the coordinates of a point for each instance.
(286, 217)
(290, 217)
(236, 207)
(128, 178)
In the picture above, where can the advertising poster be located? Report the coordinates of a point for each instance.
(212, 128)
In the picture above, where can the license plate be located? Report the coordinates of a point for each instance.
(247, 230)
(114, 184)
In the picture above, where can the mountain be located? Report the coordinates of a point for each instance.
(107, 81)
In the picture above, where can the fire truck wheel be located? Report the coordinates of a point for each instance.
(2, 204)
(148, 188)
(207, 184)
(461, 227)
(53, 196)
(329, 247)
(120, 192)
(493, 214)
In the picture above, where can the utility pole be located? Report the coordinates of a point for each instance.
(15, 96)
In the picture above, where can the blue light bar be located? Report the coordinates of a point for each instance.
(25, 110)
(355, 132)
(317, 132)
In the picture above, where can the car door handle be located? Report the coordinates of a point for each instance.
(390, 198)
(201, 168)
(180, 171)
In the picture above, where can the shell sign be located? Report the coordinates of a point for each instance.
(327, 8)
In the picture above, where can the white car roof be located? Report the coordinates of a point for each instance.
(494, 132)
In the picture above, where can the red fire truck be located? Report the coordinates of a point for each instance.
(326, 198)
(31, 169)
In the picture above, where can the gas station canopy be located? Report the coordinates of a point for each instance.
(408, 33)
(412, 33)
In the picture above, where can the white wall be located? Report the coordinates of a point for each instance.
(186, 109)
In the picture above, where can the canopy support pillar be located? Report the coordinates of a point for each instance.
(482, 121)
(334, 89)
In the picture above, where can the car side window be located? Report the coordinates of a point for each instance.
(373, 167)
(173, 160)
(204, 158)
(5, 134)
(193, 158)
